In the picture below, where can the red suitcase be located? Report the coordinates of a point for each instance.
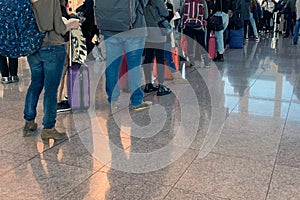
(212, 45)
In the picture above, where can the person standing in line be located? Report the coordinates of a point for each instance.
(252, 22)
(62, 102)
(291, 16)
(154, 48)
(297, 26)
(168, 50)
(9, 71)
(46, 66)
(123, 36)
(221, 9)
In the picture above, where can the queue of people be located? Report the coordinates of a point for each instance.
(48, 73)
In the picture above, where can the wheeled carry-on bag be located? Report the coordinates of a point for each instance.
(236, 38)
(78, 85)
(212, 45)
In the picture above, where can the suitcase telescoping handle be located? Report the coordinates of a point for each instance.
(70, 48)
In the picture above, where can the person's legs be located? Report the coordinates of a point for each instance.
(201, 47)
(114, 52)
(62, 88)
(13, 66)
(253, 24)
(190, 33)
(219, 36)
(169, 56)
(296, 31)
(4, 66)
(54, 59)
(134, 50)
(35, 87)
(160, 61)
(148, 63)
(246, 25)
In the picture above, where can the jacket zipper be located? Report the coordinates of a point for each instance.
(131, 25)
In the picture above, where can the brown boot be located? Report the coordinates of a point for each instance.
(30, 126)
(178, 78)
(52, 134)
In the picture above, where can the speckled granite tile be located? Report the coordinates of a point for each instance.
(285, 184)
(227, 177)
(41, 179)
(179, 194)
(111, 186)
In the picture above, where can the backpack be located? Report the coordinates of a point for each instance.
(113, 15)
(193, 13)
(19, 34)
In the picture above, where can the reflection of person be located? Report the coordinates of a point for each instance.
(46, 66)
(168, 49)
(239, 78)
(9, 71)
(129, 41)
(197, 32)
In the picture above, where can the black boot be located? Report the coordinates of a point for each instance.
(163, 90)
(219, 58)
(149, 87)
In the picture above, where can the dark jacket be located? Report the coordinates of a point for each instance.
(137, 17)
(154, 12)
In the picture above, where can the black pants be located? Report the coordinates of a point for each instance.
(154, 50)
(10, 68)
(200, 37)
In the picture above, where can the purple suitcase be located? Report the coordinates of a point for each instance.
(79, 87)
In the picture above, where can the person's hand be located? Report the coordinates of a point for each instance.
(72, 23)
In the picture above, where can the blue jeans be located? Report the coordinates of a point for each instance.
(46, 68)
(169, 57)
(133, 49)
(253, 24)
(296, 30)
(219, 34)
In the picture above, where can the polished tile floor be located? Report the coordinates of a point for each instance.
(232, 133)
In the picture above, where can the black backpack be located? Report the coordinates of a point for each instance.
(113, 15)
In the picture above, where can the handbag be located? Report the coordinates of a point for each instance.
(235, 21)
(215, 23)
(165, 26)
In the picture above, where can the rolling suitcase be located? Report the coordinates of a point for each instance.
(79, 87)
(236, 38)
(78, 84)
(212, 45)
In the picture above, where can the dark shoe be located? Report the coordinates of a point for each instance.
(52, 134)
(295, 43)
(163, 90)
(286, 36)
(14, 79)
(142, 106)
(149, 87)
(63, 106)
(5, 80)
(219, 58)
(30, 126)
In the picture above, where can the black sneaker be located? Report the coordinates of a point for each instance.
(163, 90)
(63, 106)
(149, 87)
